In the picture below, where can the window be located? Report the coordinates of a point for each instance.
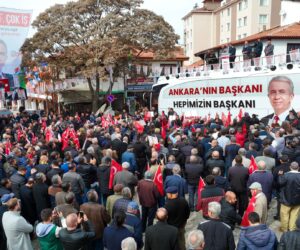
(221, 28)
(191, 46)
(228, 26)
(245, 4)
(263, 2)
(240, 22)
(245, 21)
(228, 12)
(240, 6)
(227, 39)
(245, 34)
(263, 19)
(239, 37)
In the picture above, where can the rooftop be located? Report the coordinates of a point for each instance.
(176, 55)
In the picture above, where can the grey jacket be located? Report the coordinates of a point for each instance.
(17, 231)
(77, 184)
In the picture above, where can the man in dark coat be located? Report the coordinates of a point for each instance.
(232, 52)
(176, 180)
(161, 236)
(231, 151)
(97, 215)
(148, 197)
(117, 146)
(5, 187)
(210, 193)
(28, 210)
(178, 213)
(228, 212)
(238, 176)
(193, 171)
(141, 154)
(18, 180)
(291, 239)
(40, 194)
(289, 197)
(258, 47)
(284, 166)
(73, 237)
(215, 161)
(220, 181)
(103, 173)
(217, 234)
(87, 172)
(264, 177)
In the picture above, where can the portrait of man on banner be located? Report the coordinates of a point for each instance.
(281, 95)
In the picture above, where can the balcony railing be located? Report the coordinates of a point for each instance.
(267, 63)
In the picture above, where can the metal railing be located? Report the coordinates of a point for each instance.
(280, 61)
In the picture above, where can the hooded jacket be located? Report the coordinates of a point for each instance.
(48, 236)
(258, 237)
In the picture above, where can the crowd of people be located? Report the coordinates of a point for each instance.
(88, 181)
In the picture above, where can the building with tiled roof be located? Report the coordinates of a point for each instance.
(218, 22)
(284, 38)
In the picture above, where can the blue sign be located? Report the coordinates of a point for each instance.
(110, 98)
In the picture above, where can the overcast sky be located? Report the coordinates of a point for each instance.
(171, 10)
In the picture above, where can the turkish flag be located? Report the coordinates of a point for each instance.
(163, 132)
(250, 209)
(69, 134)
(228, 120)
(139, 127)
(224, 118)
(8, 147)
(240, 115)
(158, 180)
(201, 186)
(5, 84)
(253, 166)
(114, 168)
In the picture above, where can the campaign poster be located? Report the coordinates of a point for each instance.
(14, 27)
(253, 93)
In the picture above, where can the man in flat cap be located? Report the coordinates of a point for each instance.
(178, 213)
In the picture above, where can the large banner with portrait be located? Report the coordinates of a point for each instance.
(14, 27)
(252, 93)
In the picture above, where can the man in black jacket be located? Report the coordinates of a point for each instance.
(73, 237)
(18, 180)
(193, 171)
(217, 234)
(291, 239)
(228, 213)
(238, 177)
(178, 213)
(289, 197)
(215, 161)
(161, 236)
(103, 173)
(285, 167)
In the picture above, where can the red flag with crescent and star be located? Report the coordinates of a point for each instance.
(114, 168)
(250, 209)
(253, 166)
(158, 181)
(201, 186)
